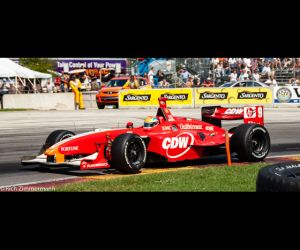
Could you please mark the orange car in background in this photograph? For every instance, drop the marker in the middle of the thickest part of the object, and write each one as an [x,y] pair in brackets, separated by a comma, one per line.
[109,94]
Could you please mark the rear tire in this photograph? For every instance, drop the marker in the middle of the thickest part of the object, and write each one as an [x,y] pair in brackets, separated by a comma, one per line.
[251,142]
[128,153]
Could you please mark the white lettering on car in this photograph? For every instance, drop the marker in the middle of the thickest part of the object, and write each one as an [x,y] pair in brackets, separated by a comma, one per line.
[166,127]
[96,165]
[183,141]
[234,111]
[72,148]
[190,126]
[209,128]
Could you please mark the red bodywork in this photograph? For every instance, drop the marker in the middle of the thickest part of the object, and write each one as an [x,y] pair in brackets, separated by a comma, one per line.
[173,139]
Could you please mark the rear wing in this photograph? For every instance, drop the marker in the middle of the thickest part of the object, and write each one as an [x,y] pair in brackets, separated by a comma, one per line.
[216,114]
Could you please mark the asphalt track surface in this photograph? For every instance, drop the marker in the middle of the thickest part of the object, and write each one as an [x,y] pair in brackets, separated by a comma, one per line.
[23,132]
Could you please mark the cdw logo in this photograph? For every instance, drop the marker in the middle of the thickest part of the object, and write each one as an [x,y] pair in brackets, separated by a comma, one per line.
[179,145]
[234,111]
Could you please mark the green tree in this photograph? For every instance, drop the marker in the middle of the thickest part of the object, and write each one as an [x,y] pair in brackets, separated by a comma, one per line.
[38,64]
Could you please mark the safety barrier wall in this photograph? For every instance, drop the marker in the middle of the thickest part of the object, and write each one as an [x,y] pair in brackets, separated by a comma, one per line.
[196,97]
[182,98]
[89,99]
[233,96]
[56,101]
[286,96]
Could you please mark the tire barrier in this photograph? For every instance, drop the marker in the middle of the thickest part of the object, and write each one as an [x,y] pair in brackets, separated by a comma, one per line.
[282,177]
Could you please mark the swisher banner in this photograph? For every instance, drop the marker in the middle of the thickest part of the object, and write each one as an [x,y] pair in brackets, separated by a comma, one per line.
[149,97]
[287,94]
[218,96]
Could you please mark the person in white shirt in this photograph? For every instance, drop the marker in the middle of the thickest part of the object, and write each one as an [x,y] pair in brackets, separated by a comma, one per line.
[185,75]
[151,76]
[49,87]
[271,82]
[255,76]
[243,76]
[231,61]
[233,76]
[266,70]
[247,61]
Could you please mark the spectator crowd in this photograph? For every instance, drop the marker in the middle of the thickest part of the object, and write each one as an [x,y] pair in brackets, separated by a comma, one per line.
[220,70]
[223,70]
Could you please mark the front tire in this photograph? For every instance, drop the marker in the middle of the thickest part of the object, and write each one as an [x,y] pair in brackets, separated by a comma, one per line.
[128,153]
[55,137]
[251,142]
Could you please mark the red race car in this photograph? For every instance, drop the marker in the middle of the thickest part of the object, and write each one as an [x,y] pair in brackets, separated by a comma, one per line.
[163,138]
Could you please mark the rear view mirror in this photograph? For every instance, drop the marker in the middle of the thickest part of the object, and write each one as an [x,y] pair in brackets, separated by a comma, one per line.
[129,125]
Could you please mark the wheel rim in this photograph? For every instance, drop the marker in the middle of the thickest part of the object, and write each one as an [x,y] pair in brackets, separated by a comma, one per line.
[135,152]
[258,143]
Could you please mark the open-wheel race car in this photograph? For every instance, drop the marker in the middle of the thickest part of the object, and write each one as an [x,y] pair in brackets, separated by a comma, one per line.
[162,138]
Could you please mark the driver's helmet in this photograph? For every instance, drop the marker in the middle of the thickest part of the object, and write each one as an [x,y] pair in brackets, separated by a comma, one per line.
[150,122]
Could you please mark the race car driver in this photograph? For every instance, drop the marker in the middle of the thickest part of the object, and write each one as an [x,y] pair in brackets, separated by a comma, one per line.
[150,122]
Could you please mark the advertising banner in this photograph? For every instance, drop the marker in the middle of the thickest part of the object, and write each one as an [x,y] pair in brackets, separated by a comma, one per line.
[149,97]
[226,96]
[92,65]
[287,94]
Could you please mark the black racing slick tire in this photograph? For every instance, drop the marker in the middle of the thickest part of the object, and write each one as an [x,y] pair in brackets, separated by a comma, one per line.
[128,153]
[283,177]
[55,137]
[251,142]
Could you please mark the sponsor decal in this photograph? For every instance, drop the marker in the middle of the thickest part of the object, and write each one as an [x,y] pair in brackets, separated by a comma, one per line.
[209,128]
[211,95]
[71,148]
[297,92]
[234,111]
[190,126]
[166,128]
[179,145]
[86,165]
[136,98]
[250,112]
[175,97]
[284,95]
[252,95]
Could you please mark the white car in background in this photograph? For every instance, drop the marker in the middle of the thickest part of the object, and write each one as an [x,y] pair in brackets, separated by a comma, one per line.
[246,83]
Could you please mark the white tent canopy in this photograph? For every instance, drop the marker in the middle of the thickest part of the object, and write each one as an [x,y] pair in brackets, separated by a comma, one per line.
[7,66]
[6,72]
